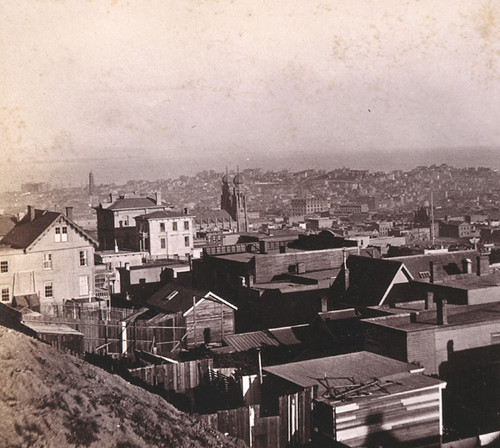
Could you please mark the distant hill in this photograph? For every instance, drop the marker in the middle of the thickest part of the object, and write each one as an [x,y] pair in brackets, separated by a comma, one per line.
[113,169]
[50,399]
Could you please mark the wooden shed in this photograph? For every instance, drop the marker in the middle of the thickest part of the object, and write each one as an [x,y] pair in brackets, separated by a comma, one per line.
[363,399]
[206,316]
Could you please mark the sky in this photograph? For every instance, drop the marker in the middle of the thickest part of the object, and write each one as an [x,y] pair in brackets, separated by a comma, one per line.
[150,87]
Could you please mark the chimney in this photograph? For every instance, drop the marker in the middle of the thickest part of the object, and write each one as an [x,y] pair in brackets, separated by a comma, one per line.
[429,300]
[324,304]
[442,312]
[483,264]
[31,212]
[116,247]
[186,211]
[111,198]
[158,198]
[433,269]
[346,278]
[69,212]
[467,266]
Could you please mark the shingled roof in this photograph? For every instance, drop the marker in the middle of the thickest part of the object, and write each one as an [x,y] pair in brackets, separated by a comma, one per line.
[27,231]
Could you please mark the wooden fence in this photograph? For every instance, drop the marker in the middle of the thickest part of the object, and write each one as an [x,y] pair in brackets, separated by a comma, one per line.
[291,427]
[174,377]
[106,332]
[246,424]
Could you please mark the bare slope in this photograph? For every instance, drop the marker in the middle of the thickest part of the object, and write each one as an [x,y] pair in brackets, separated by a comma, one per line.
[49,399]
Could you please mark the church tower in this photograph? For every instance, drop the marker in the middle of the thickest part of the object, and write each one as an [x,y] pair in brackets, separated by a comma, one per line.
[234,201]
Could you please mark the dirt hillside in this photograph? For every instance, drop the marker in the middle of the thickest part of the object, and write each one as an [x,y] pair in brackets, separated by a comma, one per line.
[50,399]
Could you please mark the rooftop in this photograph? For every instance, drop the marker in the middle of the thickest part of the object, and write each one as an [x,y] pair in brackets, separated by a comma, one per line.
[457,316]
[131,203]
[164,214]
[351,368]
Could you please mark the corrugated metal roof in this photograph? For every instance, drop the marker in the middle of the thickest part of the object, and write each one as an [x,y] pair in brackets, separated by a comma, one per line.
[247,341]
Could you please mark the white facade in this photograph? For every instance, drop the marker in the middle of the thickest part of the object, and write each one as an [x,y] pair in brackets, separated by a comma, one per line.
[165,235]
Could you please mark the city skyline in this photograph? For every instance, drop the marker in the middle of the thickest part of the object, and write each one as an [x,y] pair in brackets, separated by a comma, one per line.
[203,84]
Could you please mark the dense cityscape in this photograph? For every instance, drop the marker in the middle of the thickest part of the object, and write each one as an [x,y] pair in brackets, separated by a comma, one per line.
[250,224]
[250,300]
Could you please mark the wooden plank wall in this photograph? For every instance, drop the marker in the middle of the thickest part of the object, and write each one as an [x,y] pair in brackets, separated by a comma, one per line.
[292,427]
[174,377]
[295,418]
[246,424]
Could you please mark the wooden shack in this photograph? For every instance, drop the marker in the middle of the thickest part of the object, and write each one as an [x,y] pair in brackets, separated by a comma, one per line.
[205,317]
[364,399]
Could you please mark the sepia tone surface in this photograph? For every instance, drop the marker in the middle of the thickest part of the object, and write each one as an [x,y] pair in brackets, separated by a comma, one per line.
[148,89]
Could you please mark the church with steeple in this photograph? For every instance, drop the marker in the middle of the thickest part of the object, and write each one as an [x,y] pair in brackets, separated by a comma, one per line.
[233,200]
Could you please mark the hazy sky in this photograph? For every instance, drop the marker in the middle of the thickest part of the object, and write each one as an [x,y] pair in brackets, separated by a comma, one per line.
[225,80]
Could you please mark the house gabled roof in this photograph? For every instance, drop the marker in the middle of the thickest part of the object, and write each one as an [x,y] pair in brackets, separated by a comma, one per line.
[26,232]
[213,215]
[370,279]
[176,297]
[450,261]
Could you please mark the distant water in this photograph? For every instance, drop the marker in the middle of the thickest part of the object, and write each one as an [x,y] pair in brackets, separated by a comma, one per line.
[120,170]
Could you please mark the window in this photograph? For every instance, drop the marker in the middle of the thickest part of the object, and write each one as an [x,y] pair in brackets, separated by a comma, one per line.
[84,285]
[174,226]
[61,234]
[495,338]
[162,227]
[4,267]
[83,258]
[48,290]
[47,261]
[162,243]
[186,225]
[186,241]
[424,274]
[5,293]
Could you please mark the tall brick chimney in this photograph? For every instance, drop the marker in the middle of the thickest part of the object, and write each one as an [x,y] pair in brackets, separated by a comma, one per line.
[158,198]
[442,312]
